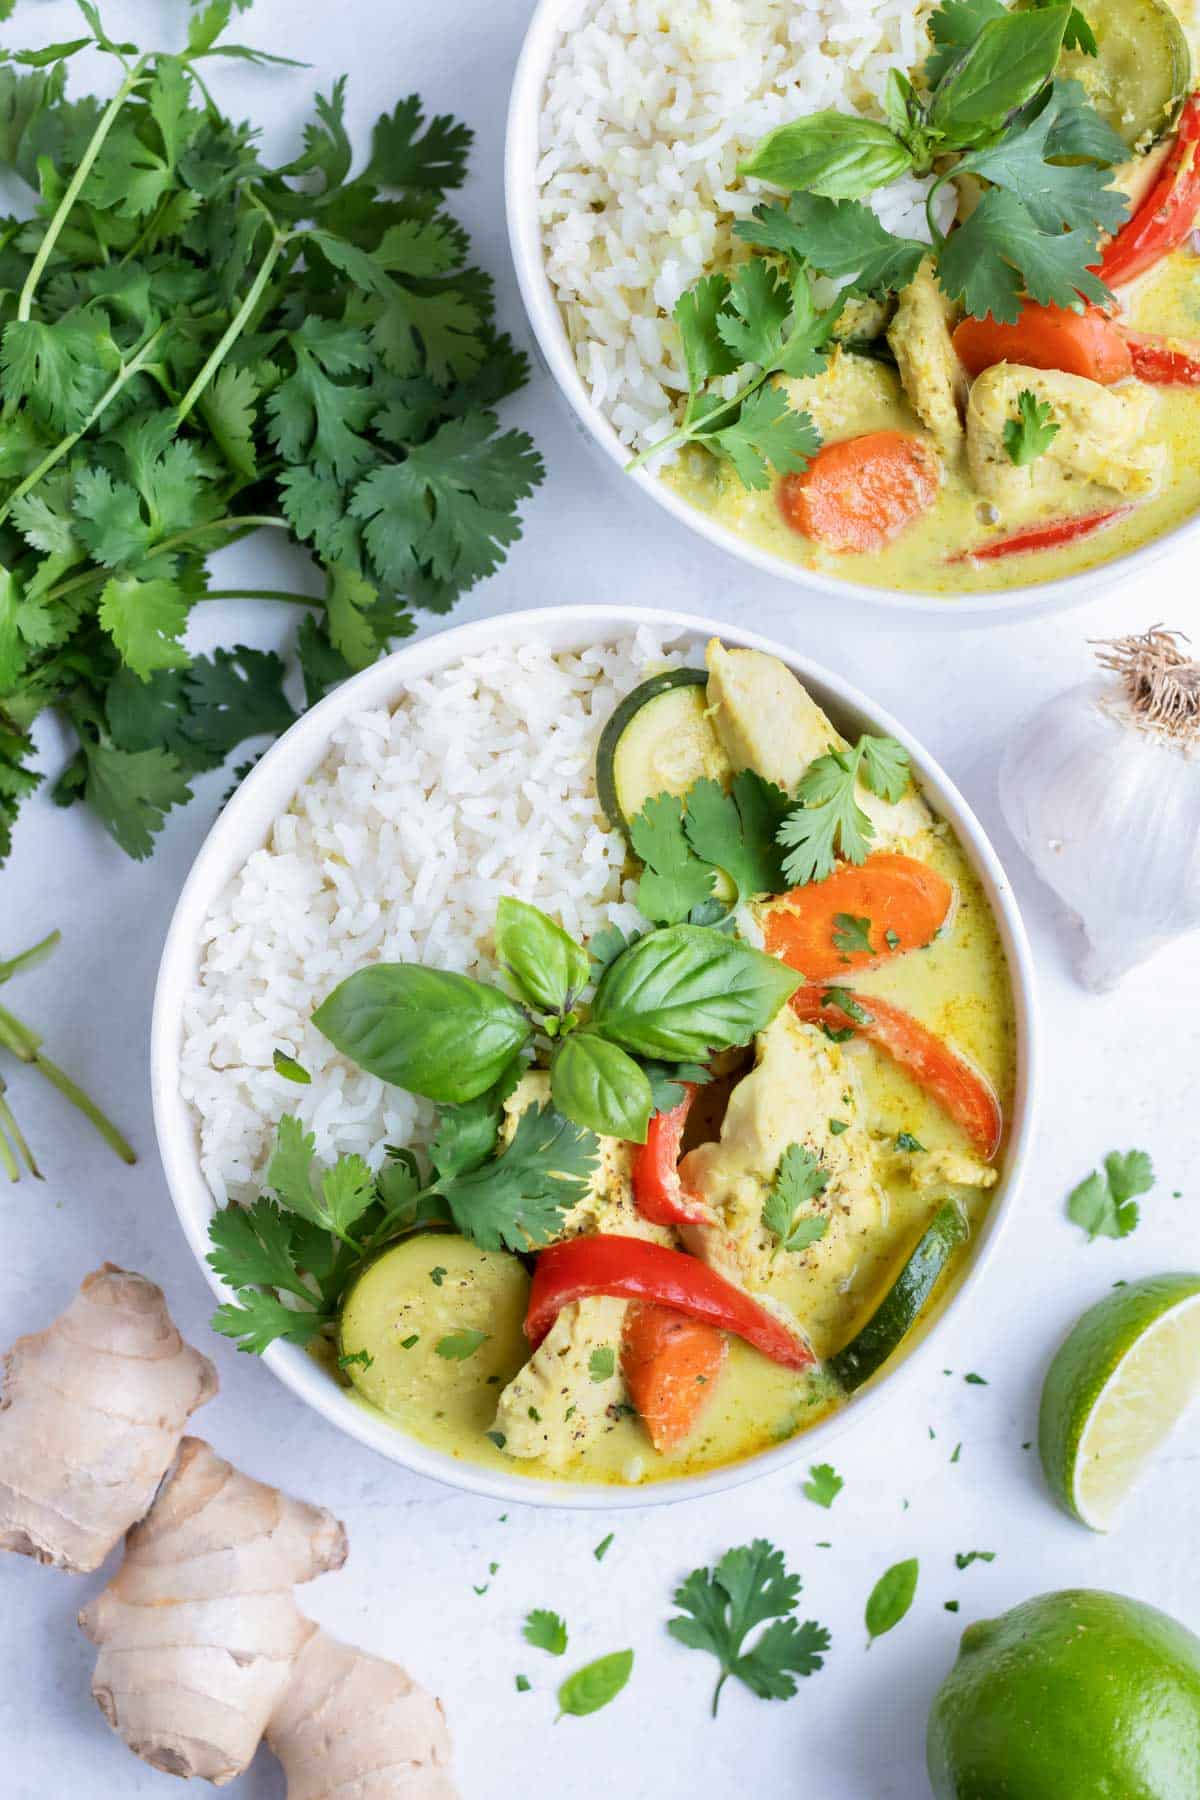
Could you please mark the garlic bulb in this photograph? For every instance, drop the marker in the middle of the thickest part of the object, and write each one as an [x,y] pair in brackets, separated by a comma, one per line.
[1101,788]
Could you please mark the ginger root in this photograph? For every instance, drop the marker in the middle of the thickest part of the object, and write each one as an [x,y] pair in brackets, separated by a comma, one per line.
[92,1412]
[202,1645]
[353,1727]
[198,1630]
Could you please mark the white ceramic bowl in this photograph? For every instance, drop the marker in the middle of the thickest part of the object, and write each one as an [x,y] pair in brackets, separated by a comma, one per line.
[243,827]
[525,237]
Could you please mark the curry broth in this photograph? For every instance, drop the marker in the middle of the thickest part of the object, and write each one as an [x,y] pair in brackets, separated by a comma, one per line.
[959,987]
[869,397]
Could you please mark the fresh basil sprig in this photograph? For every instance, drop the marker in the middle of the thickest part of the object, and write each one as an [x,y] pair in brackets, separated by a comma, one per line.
[548,966]
[599,1085]
[429,1030]
[830,153]
[686,991]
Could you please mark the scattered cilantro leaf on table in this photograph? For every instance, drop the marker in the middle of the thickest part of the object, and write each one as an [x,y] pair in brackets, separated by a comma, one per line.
[1104,1203]
[964,1558]
[823,1486]
[674,879]
[545,1631]
[798,1179]
[198,345]
[722,1606]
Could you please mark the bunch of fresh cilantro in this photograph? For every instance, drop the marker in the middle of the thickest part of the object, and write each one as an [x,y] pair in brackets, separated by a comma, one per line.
[988,107]
[195,345]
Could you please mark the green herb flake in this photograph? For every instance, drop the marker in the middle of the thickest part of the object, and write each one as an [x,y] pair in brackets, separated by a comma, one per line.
[545,1631]
[964,1558]
[906,1141]
[823,1486]
[522,1684]
[799,1180]
[412,1339]
[603,1547]
[356,1359]
[950,1606]
[957,1453]
[595,1685]
[837,1126]
[891,1597]
[602,1363]
[437,1276]
[973,1380]
[1032,432]
[290,1069]
[852,935]
[456,1346]
[498,1438]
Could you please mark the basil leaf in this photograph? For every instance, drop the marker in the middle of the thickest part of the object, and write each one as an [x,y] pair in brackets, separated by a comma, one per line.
[593,1686]
[597,1085]
[685,991]
[829,153]
[1003,68]
[548,966]
[891,1597]
[428,1030]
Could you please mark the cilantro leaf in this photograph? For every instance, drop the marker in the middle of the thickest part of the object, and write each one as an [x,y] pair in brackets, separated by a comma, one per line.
[752,322]
[720,1607]
[407,153]
[798,1179]
[1104,1203]
[823,1485]
[852,935]
[735,831]
[828,820]
[255,1246]
[1000,254]
[257,1320]
[706,352]
[545,1631]
[517,1200]
[456,1346]
[674,878]
[132,791]
[602,1363]
[145,620]
[343,1194]
[964,1558]
[466,1134]
[1057,194]
[768,433]
[840,238]
[1032,432]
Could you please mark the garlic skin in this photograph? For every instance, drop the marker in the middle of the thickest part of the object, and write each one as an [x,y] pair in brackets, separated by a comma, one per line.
[1101,788]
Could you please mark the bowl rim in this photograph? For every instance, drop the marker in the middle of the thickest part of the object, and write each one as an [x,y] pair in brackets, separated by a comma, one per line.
[243,826]
[521,152]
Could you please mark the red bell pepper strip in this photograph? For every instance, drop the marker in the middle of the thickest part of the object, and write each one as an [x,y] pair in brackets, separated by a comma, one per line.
[658,1193]
[1163,220]
[1044,537]
[633,1269]
[1164,361]
[953,1082]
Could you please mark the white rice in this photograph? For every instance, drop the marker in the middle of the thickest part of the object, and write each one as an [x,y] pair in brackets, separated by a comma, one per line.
[478,784]
[650,105]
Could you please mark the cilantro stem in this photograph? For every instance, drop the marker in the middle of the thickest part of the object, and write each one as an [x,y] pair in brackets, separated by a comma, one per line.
[262,594]
[237,523]
[10,1129]
[83,170]
[687,432]
[65,445]
[237,324]
[26,1046]
[28,959]
[7,1160]
[724,1677]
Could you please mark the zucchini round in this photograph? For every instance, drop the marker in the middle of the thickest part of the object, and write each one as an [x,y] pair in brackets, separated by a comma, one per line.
[659,740]
[901,1306]
[1142,73]
[429,1290]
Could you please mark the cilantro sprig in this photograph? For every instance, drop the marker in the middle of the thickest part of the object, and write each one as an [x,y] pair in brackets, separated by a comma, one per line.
[720,1607]
[827,820]
[799,1180]
[1105,1203]
[684,842]
[198,345]
[1032,432]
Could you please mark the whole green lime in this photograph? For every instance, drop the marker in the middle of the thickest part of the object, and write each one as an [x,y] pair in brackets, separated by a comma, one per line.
[1079,1695]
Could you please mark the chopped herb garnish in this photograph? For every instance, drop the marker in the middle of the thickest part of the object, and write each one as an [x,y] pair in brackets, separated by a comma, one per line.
[437,1276]
[1104,1203]
[456,1346]
[523,1684]
[799,1179]
[290,1069]
[356,1359]
[498,1438]
[964,1558]
[950,1605]
[1032,432]
[844,1000]
[602,1548]
[823,1486]
[957,1453]
[974,1380]
[723,1605]
[837,1126]
[408,1342]
[602,1363]
[892,939]
[840,1034]
[906,1141]
[545,1631]
[852,935]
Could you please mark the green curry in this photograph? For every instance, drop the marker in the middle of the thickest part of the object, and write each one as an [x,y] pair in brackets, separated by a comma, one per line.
[1019,401]
[871,1094]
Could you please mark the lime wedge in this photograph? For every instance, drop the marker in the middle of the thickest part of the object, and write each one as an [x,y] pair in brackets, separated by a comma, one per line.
[901,1306]
[1124,1375]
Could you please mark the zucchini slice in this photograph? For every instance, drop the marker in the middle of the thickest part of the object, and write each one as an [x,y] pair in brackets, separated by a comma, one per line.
[901,1306]
[429,1290]
[659,740]
[1143,72]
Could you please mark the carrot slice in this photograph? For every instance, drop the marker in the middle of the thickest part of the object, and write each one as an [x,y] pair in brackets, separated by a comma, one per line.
[893,901]
[1048,337]
[671,1364]
[953,1082]
[861,493]
[1164,361]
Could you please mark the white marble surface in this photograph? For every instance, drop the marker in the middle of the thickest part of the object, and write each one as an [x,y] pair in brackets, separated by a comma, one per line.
[1120,1071]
